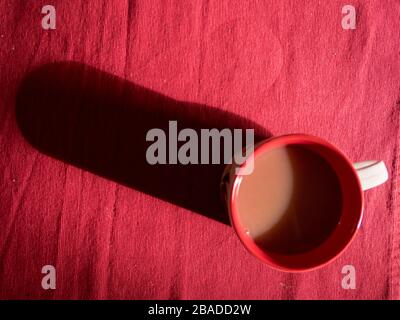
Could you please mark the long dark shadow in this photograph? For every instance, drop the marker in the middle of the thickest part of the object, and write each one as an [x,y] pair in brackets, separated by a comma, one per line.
[98,122]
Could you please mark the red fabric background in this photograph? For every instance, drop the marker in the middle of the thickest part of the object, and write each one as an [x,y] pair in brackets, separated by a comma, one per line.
[287,65]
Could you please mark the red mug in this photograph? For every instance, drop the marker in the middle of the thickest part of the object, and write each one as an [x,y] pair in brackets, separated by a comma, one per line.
[353,178]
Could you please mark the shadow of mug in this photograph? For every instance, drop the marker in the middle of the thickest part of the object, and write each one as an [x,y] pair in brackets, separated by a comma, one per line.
[98,122]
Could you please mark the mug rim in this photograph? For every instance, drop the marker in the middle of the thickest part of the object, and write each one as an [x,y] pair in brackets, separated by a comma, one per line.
[233,211]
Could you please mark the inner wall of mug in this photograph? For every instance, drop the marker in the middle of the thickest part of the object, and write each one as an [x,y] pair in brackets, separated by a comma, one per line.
[352,203]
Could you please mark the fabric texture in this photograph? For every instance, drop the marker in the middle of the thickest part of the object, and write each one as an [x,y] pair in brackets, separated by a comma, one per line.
[75,103]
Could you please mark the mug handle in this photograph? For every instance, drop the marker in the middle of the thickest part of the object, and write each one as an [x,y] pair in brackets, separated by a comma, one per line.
[371,173]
